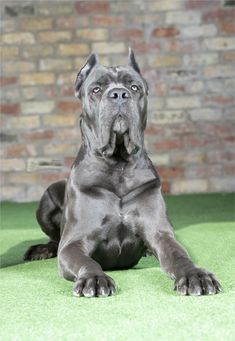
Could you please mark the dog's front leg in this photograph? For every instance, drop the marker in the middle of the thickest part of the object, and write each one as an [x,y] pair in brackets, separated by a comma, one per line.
[174,260]
[90,280]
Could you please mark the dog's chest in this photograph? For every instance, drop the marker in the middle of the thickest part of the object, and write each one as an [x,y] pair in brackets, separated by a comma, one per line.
[120,180]
[118,247]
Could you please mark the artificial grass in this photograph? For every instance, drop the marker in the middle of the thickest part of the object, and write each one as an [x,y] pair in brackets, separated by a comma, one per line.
[36,304]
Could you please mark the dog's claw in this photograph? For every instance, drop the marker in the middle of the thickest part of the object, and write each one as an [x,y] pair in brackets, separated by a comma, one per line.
[94,286]
[197,282]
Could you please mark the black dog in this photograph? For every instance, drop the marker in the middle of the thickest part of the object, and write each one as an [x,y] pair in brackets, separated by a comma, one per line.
[111,210]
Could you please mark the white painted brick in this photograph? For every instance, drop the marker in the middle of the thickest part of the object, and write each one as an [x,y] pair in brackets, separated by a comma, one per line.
[199,31]
[55,64]
[104,47]
[200,59]
[31,92]
[12,165]
[222,185]
[12,193]
[219,71]
[220,44]
[40,163]
[155,103]
[189,186]
[215,86]
[194,87]
[160,159]
[230,85]
[18,38]
[205,114]
[191,157]
[168,117]
[183,102]
[183,17]
[164,5]
[10,95]
[34,193]
[37,107]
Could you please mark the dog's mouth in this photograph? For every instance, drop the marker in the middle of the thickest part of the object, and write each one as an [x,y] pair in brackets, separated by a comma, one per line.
[120,143]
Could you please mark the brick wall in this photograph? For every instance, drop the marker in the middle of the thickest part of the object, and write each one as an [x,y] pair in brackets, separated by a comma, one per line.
[187,52]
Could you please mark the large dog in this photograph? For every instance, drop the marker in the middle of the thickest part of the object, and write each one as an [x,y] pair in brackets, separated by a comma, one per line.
[111,210]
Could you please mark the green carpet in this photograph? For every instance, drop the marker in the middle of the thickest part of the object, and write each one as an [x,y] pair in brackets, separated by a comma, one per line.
[38,305]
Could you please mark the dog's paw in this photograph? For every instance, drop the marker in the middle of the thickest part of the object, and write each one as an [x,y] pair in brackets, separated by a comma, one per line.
[40,251]
[197,282]
[93,286]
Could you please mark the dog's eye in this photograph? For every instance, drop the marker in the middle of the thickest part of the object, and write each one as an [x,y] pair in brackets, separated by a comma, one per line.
[96,90]
[134,87]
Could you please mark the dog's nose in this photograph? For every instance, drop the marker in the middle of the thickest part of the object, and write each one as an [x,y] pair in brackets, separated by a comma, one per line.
[119,95]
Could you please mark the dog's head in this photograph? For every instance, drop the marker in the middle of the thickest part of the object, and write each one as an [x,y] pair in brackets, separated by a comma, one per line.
[114,101]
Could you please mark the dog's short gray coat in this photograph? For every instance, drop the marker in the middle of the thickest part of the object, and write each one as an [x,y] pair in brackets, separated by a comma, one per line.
[111,210]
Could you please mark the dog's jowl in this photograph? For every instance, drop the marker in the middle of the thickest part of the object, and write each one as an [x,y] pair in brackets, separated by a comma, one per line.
[111,210]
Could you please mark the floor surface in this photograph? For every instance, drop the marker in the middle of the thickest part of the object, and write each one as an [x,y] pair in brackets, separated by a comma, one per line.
[36,304]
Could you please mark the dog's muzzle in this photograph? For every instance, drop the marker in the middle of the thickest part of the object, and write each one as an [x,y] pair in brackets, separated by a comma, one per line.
[117,130]
[119,136]
[120,126]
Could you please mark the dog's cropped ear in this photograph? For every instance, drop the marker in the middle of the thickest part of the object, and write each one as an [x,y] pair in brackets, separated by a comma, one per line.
[84,72]
[132,62]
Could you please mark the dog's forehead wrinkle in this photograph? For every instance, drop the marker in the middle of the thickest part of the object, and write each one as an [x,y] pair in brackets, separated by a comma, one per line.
[114,74]
[97,72]
[117,75]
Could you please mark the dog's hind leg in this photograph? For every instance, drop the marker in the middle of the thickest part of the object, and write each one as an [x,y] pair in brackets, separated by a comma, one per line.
[49,214]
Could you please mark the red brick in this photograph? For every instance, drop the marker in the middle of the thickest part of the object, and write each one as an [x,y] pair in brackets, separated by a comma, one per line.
[204,171]
[27,178]
[132,33]
[177,88]
[220,156]
[230,170]
[223,129]
[182,46]
[66,90]
[170,172]
[230,141]
[53,177]
[165,32]
[20,150]
[166,187]
[227,27]
[4,81]
[170,144]
[229,56]
[89,7]
[219,14]
[71,134]
[68,106]
[51,91]
[60,120]
[199,141]
[11,109]
[72,22]
[161,89]
[69,160]
[144,47]
[107,20]
[39,135]
[3,179]
[221,100]
[182,129]
[197,4]
[153,130]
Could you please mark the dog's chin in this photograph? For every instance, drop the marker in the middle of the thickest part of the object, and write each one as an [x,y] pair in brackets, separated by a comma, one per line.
[119,145]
